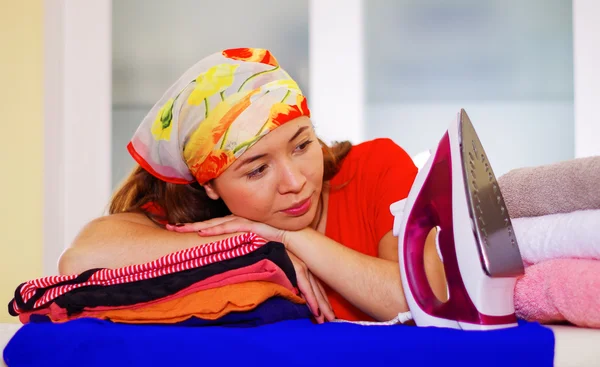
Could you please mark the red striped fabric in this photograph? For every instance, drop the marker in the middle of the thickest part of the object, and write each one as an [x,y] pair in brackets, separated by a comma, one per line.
[175,262]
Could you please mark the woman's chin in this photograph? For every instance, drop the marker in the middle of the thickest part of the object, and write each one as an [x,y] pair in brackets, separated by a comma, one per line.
[293,224]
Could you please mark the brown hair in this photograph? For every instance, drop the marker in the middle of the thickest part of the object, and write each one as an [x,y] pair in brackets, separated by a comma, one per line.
[189,203]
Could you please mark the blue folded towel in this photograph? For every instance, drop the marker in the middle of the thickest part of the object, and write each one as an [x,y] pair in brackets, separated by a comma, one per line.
[92,342]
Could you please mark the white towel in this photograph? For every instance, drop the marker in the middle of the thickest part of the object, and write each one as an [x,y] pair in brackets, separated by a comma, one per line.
[567,235]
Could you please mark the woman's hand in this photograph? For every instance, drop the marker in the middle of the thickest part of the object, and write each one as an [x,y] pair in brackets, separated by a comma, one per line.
[312,291]
[230,224]
[310,288]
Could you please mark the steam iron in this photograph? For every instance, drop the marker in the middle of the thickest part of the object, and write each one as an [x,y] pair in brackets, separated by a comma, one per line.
[456,193]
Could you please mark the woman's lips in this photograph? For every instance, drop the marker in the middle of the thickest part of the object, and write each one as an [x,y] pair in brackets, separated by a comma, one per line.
[299,209]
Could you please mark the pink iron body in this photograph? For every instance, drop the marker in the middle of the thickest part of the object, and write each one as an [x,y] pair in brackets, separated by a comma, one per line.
[457,193]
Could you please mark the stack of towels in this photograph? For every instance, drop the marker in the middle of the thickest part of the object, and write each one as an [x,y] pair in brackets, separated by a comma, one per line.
[555,211]
[242,281]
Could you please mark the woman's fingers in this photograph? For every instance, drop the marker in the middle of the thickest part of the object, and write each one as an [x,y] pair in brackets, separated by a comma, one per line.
[310,288]
[323,291]
[309,296]
[244,225]
[332,315]
[305,286]
[321,296]
[232,226]
[197,226]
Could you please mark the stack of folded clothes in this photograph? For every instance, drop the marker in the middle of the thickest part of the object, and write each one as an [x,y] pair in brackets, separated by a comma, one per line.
[241,281]
[555,211]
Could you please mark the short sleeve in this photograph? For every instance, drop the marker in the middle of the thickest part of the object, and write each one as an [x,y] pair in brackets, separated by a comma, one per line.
[393,175]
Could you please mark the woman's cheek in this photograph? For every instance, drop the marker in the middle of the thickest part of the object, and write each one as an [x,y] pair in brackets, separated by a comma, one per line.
[258,199]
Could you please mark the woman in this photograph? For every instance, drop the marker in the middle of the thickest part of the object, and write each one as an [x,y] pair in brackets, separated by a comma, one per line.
[230,148]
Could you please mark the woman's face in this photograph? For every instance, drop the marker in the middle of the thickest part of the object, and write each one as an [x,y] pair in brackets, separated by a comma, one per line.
[278,180]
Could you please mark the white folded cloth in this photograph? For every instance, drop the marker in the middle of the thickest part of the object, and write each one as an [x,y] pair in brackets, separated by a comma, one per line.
[564,235]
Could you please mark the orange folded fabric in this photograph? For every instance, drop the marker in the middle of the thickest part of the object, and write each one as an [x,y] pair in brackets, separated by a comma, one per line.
[209,304]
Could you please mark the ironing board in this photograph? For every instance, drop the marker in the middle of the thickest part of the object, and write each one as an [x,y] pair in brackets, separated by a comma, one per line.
[574,346]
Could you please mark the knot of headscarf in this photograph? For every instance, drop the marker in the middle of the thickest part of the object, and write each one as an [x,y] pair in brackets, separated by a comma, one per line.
[216,110]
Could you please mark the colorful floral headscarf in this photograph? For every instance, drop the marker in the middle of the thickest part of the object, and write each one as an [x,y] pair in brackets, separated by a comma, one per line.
[213,113]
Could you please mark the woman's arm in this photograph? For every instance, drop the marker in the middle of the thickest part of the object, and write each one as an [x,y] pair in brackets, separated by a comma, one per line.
[372,284]
[124,239]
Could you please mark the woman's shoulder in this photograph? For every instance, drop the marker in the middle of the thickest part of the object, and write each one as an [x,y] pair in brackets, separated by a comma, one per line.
[378,153]
[377,143]
[372,158]
[378,150]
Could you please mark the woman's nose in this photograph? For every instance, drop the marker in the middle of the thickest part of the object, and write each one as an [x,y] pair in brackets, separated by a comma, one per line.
[292,180]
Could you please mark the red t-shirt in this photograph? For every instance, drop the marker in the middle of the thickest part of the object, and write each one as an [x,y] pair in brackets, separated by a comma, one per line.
[375,174]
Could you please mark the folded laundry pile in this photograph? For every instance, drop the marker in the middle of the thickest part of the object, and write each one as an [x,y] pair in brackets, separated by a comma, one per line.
[240,281]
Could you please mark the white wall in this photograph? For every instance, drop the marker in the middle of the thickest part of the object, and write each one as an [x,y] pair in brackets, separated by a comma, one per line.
[586,32]
[509,63]
[468,50]
[337,69]
[77,127]
[514,134]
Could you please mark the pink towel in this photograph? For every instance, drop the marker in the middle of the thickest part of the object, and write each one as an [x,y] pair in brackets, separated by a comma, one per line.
[561,187]
[560,290]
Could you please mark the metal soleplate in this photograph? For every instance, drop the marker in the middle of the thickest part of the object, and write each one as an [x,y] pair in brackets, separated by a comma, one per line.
[498,247]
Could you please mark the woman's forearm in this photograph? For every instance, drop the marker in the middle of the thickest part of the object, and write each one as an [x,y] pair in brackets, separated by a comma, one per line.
[122,240]
[371,284]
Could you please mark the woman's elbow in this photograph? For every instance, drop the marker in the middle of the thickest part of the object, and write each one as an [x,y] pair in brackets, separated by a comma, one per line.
[70,262]
[74,259]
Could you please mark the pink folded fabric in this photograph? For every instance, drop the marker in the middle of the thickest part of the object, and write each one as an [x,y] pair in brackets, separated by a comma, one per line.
[263,270]
[560,290]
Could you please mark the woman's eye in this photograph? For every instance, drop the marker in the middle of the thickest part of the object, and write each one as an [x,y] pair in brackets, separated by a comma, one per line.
[257,172]
[303,146]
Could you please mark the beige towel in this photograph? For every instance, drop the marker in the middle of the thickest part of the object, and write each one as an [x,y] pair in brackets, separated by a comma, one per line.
[562,187]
